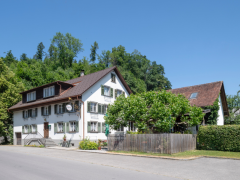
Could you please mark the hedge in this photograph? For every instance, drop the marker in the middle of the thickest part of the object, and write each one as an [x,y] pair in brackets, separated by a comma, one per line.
[221,138]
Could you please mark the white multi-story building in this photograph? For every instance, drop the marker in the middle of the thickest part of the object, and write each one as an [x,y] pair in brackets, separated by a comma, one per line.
[75,108]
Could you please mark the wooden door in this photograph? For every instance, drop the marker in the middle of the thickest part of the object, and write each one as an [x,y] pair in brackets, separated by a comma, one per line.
[46,130]
[19,138]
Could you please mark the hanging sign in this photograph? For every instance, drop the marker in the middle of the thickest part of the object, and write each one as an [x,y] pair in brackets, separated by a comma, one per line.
[69,107]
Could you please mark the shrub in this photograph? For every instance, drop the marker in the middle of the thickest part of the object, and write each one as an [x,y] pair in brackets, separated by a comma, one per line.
[86,144]
[221,138]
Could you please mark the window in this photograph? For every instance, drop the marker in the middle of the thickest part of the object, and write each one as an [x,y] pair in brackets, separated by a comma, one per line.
[31,96]
[113,78]
[26,129]
[45,112]
[25,114]
[60,109]
[60,127]
[34,113]
[93,107]
[104,108]
[131,126]
[72,127]
[106,91]
[94,127]
[49,91]
[121,128]
[193,95]
[34,129]
[118,93]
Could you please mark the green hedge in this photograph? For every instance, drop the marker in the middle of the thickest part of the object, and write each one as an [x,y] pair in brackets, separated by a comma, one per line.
[221,138]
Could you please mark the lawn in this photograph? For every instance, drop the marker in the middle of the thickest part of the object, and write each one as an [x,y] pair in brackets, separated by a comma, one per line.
[187,154]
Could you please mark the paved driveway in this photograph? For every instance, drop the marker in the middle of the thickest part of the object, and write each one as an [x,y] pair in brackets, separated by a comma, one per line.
[40,163]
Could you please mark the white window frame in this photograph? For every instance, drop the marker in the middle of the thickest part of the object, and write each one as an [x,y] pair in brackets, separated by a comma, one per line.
[193,95]
[33,113]
[31,96]
[113,79]
[72,126]
[45,111]
[34,129]
[109,92]
[25,114]
[49,91]
[94,109]
[105,107]
[25,129]
[60,128]
[121,92]
[60,108]
[94,126]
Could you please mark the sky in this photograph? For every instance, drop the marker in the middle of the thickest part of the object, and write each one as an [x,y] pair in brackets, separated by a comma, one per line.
[197,42]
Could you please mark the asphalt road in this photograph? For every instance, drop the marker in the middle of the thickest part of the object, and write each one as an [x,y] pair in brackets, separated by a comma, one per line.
[40,163]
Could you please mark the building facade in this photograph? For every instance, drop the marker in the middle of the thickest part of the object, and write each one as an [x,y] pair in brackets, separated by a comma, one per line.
[75,108]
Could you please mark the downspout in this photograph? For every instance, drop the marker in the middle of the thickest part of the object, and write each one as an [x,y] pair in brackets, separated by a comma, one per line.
[83,116]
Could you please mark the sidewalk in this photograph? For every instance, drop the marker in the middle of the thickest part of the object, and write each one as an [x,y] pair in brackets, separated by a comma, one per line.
[76,149]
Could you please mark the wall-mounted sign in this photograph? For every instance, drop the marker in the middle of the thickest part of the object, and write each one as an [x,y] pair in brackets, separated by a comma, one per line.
[69,107]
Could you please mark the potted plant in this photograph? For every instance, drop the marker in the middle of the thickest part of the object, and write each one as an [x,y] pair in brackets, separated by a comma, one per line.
[99,144]
[64,137]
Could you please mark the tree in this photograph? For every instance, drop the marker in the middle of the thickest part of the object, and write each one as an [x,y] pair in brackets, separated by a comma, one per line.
[23,57]
[9,96]
[93,49]
[234,109]
[9,58]
[40,53]
[64,48]
[152,110]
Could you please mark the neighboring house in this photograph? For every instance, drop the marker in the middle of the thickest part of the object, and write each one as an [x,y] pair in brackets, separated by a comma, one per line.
[205,95]
[43,111]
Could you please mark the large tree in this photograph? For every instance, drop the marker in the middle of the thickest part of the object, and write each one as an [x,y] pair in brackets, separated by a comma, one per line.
[93,50]
[155,111]
[234,109]
[9,96]
[40,53]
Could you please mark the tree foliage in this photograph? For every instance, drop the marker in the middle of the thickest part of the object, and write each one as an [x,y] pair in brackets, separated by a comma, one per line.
[212,117]
[152,110]
[234,109]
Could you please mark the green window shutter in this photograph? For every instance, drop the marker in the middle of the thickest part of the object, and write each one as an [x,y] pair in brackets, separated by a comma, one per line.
[55,127]
[28,129]
[36,128]
[23,129]
[103,125]
[23,114]
[102,107]
[36,112]
[111,92]
[77,122]
[76,106]
[49,110]
[99,108]
[99,127]
[42,110]
[102,90]
[89,126]
[64,128]
[88,106]
[67,126]
[115,93]
[55,109]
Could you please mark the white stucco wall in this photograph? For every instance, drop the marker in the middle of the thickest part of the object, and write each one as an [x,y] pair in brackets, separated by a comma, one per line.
[220,120]
[92,94]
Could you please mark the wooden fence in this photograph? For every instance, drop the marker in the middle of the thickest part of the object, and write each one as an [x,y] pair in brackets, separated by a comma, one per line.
[155,143]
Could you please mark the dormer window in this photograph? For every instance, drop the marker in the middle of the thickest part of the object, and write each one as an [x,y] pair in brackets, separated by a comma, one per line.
[31,96]
[113,78]
[194,95]
[49,91]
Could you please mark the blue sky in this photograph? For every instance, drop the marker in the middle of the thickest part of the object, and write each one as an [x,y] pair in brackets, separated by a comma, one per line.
[196,41]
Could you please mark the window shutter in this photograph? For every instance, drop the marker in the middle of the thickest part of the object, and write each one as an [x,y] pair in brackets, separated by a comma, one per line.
[49,110]
[76,106]
[123,93]
[29,129]
[102,90]
[77,126]
[55,127]
[23,128]
[99,127]
[67,126]
[103,107]
[29,115]
[64,107]
[36,112]
[112,77]
[36,128]
[115,93]
[88,106]
[111,92]
[23,114]
[55,109]
[42,110]
[99,108]
[89,127]
[64,128]
[103,125]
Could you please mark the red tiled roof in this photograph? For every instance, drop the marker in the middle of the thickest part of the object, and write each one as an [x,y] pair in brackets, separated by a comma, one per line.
[85,82]
[207,93]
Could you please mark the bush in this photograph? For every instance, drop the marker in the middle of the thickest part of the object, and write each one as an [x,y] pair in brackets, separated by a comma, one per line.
[41,146]
[221,138]
[86,144]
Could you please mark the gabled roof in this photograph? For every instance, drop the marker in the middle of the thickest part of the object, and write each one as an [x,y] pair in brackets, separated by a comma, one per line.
[84,83]
[206,94]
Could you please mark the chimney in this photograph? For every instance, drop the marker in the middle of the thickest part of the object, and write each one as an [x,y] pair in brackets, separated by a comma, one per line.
[82,73]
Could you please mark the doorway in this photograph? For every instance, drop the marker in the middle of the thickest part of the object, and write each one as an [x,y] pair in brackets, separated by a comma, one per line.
[46,130]
[19,138]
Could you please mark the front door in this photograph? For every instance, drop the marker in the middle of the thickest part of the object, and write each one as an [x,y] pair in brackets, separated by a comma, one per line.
[46,130]
[19,138]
